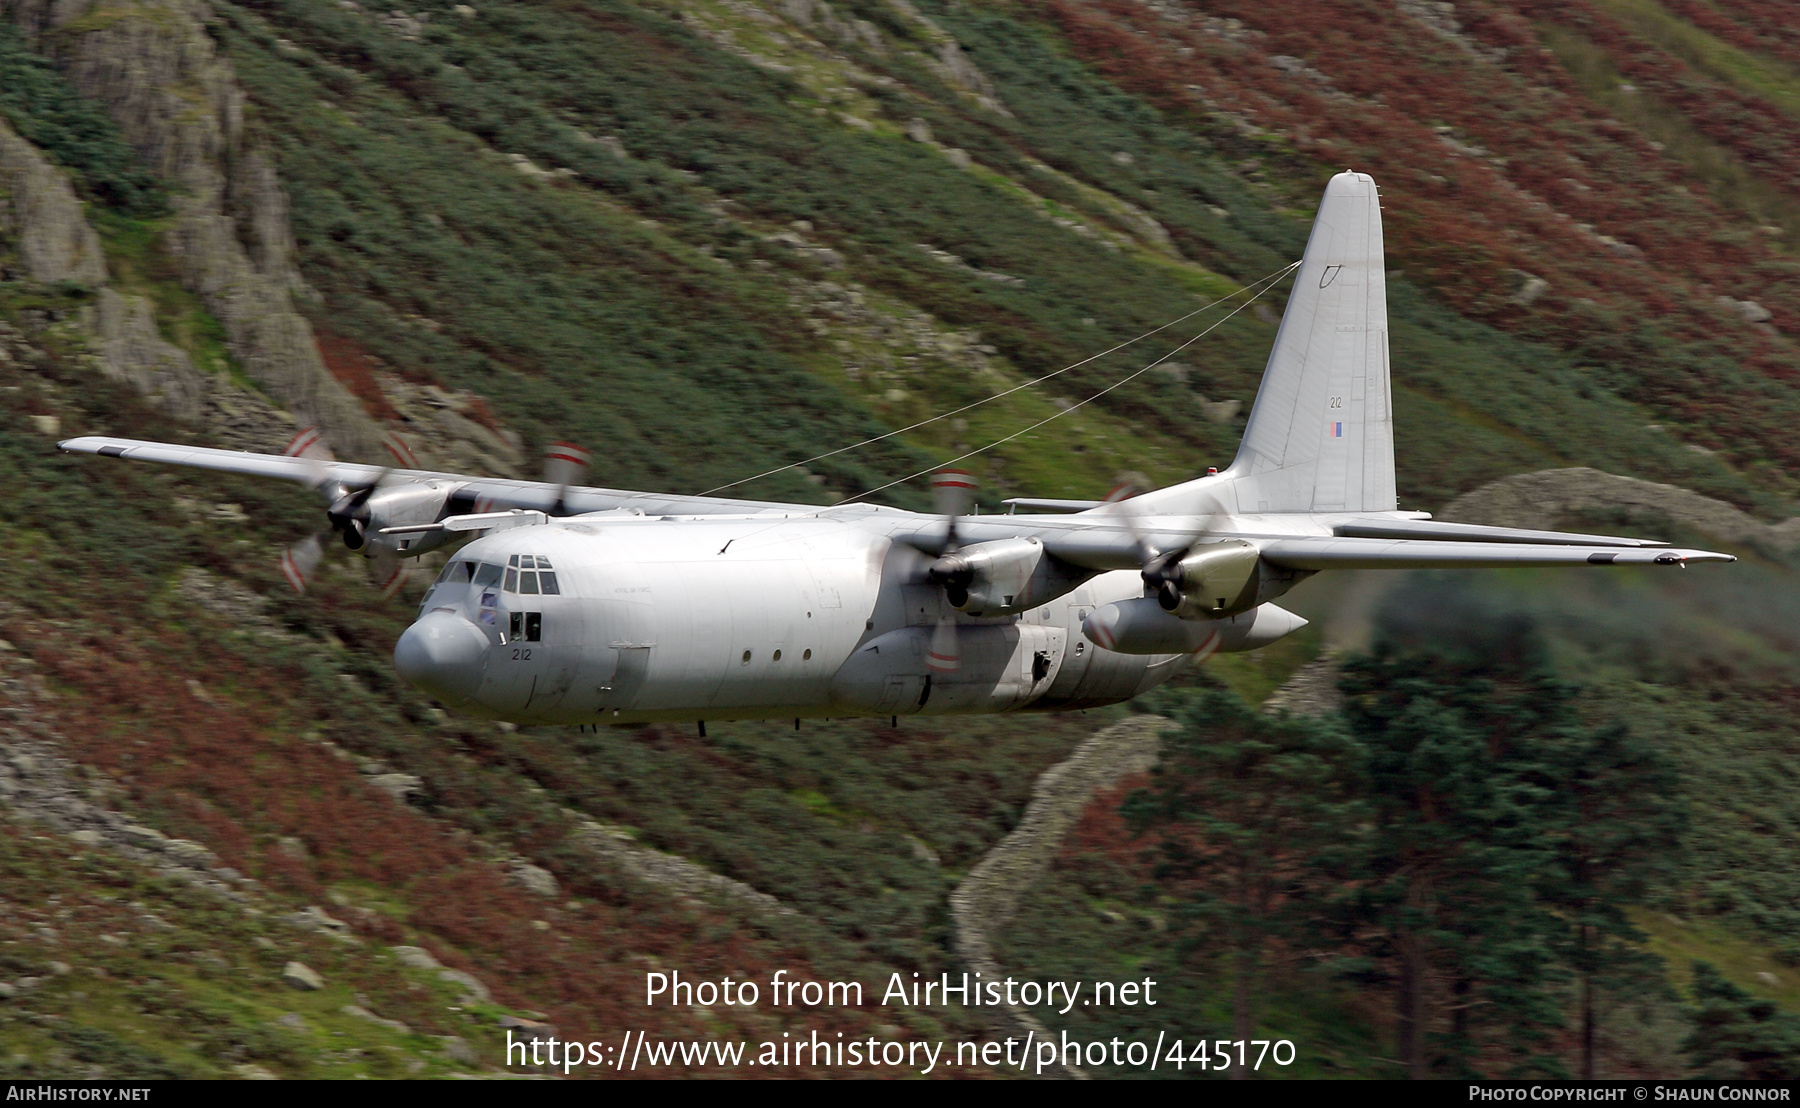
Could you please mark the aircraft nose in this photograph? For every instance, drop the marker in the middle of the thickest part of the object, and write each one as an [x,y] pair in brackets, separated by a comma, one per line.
[442,655]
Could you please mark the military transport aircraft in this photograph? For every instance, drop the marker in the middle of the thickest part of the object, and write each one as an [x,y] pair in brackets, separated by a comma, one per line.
[598,606]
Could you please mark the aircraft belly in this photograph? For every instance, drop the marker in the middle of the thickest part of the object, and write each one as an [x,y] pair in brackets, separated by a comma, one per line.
[1001,667]
[1091,676]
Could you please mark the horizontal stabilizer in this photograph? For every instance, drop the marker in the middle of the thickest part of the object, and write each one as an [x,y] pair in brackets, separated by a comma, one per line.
[1471,532]
[1322,553]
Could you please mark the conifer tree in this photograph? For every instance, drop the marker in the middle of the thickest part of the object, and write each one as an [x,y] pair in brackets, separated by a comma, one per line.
[1249,805]
[1455,707]
[1618,823]
[1739,1036]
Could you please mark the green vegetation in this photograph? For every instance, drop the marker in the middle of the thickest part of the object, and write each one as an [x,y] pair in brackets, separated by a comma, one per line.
[76,132]
[1727,176]
[1739,1037]
[1537,863]
[435,252]
[1773,80]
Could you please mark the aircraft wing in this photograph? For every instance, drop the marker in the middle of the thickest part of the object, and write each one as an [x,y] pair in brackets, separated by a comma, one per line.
[1365,553]
[500,493]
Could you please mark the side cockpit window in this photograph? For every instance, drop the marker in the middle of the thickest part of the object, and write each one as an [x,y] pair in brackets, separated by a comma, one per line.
[456,573]
[487,575]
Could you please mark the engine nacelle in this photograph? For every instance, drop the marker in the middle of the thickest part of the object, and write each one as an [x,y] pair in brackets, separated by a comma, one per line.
[1213,581]
[1003,577]
[413,502]
[1142,626]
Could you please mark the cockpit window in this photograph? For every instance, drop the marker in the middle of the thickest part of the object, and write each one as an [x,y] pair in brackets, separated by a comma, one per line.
[456,573]
[487,575]
[528,575]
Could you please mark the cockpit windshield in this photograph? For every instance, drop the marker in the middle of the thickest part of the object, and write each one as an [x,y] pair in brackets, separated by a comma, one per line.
[531,575]
[524,575]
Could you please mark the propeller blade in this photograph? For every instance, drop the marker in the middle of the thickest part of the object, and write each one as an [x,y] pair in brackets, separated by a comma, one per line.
[1116,501]
[309,443]
[387,572]
[565,464]
[952,491]
[300,561]
[944,657]
[402,451]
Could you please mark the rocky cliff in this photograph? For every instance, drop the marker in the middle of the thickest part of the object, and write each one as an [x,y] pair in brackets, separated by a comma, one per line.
[177,102]
[43,223]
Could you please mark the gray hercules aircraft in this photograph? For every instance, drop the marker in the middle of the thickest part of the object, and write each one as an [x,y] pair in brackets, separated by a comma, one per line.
[589,605]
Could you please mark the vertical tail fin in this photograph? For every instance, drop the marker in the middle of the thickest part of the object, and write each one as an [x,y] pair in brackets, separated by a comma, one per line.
[1321,434]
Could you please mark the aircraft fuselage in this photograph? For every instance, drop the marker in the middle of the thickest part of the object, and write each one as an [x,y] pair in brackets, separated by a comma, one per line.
[757,618]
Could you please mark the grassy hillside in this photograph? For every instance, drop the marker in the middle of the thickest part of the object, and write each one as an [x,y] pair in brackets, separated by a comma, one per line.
[630,275]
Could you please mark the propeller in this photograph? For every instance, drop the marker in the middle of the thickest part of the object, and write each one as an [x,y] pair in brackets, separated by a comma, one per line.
[1162,569]
[565,464]
[347,512]
[952,493]
[301,560]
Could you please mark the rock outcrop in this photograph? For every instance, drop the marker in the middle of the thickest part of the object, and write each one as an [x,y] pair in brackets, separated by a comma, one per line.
[1531,499]
[669,872]
[153,66]
[1311,691]
[990,894]
[133,350]
[42,219]
[43,223]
